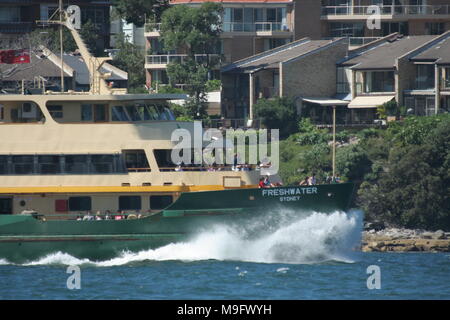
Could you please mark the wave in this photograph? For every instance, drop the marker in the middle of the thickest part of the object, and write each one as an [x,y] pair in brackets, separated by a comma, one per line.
[284,237]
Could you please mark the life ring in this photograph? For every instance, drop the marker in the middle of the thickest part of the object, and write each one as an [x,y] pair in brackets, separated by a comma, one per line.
[131,216]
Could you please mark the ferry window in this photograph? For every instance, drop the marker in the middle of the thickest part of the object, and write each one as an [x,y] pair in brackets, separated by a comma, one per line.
[3,164]
[152,113]
[23,164]
[136,159]
[102,163]
[100,113]
[76,164]
[133,113]
[56,111]
[49,164]
[130,203]
[163,158]
[80,204]
[119,114]
[1,112]
[86,112]
[160,202]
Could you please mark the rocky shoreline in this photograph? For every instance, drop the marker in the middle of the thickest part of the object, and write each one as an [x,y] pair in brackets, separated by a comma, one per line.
[405,240]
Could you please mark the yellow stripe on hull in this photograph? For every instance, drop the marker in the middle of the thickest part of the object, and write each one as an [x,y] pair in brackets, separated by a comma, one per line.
[112,189]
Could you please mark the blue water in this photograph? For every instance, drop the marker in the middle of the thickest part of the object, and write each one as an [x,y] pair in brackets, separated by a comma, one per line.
[310,258]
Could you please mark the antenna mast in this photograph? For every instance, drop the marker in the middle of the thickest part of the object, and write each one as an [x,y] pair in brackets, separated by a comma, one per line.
[61,43]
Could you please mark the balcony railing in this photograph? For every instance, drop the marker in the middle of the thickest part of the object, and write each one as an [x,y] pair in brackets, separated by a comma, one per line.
[255,27]
[387,10]
[361,41]
[164,59]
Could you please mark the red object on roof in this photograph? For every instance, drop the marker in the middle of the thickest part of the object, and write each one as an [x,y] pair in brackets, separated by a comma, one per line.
[229,1]
[15,56]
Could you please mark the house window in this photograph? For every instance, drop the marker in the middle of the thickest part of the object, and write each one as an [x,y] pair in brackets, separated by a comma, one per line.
[130,203]
[379,81]
[434,28]
[343,29]
[425,76]
[390,27]
[160,202]
[56,111]
[343,80]
[447,78]
[80,203]
[9,14]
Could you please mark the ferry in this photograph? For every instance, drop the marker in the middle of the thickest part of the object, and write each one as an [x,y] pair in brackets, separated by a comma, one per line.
[90,174]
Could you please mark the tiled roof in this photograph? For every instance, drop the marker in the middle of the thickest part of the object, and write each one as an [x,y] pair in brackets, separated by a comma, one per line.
[440,53]
[385,55]
[271,58]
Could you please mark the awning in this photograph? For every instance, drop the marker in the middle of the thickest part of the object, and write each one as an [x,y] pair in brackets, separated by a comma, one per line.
[369,101]
[326,101]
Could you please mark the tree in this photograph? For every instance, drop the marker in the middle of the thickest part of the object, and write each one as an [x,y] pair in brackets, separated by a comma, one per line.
[195,31]
[136,11]
[413,189]
[130,58]
[278,113]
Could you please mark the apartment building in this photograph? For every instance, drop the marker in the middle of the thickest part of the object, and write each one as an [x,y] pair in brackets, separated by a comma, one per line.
[18,17]
[348,18]
[303,70]
[412,70]
[249,27]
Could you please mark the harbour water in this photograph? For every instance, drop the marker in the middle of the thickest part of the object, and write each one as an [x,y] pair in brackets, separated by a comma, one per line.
[310,257]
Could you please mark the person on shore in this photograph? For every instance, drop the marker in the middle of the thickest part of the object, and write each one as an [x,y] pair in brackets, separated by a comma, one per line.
[312,180]
[304,182]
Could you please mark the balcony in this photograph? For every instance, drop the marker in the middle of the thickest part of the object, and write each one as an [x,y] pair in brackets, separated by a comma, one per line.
[152,29]
[387,12]
[160,61]
[258,28]
[15,27]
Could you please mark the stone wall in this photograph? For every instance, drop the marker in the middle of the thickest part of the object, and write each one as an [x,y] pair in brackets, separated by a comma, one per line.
[313,75]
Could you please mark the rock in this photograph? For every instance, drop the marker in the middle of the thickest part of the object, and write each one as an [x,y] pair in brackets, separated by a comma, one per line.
[427,235]
[439,235]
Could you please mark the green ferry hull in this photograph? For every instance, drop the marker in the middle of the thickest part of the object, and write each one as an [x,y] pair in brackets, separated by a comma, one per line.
[24,238]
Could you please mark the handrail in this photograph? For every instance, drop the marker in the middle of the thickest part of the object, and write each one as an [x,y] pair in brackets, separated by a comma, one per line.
[179,58]
[255,27]
[443,9]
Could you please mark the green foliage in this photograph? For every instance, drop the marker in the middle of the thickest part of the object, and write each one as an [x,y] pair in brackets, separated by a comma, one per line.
[389,108]
[130,58]
[414,130]
[213,85]
[278,113]
[352,162]
[409,183]
[196,29]
[50,38]
[135,11]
